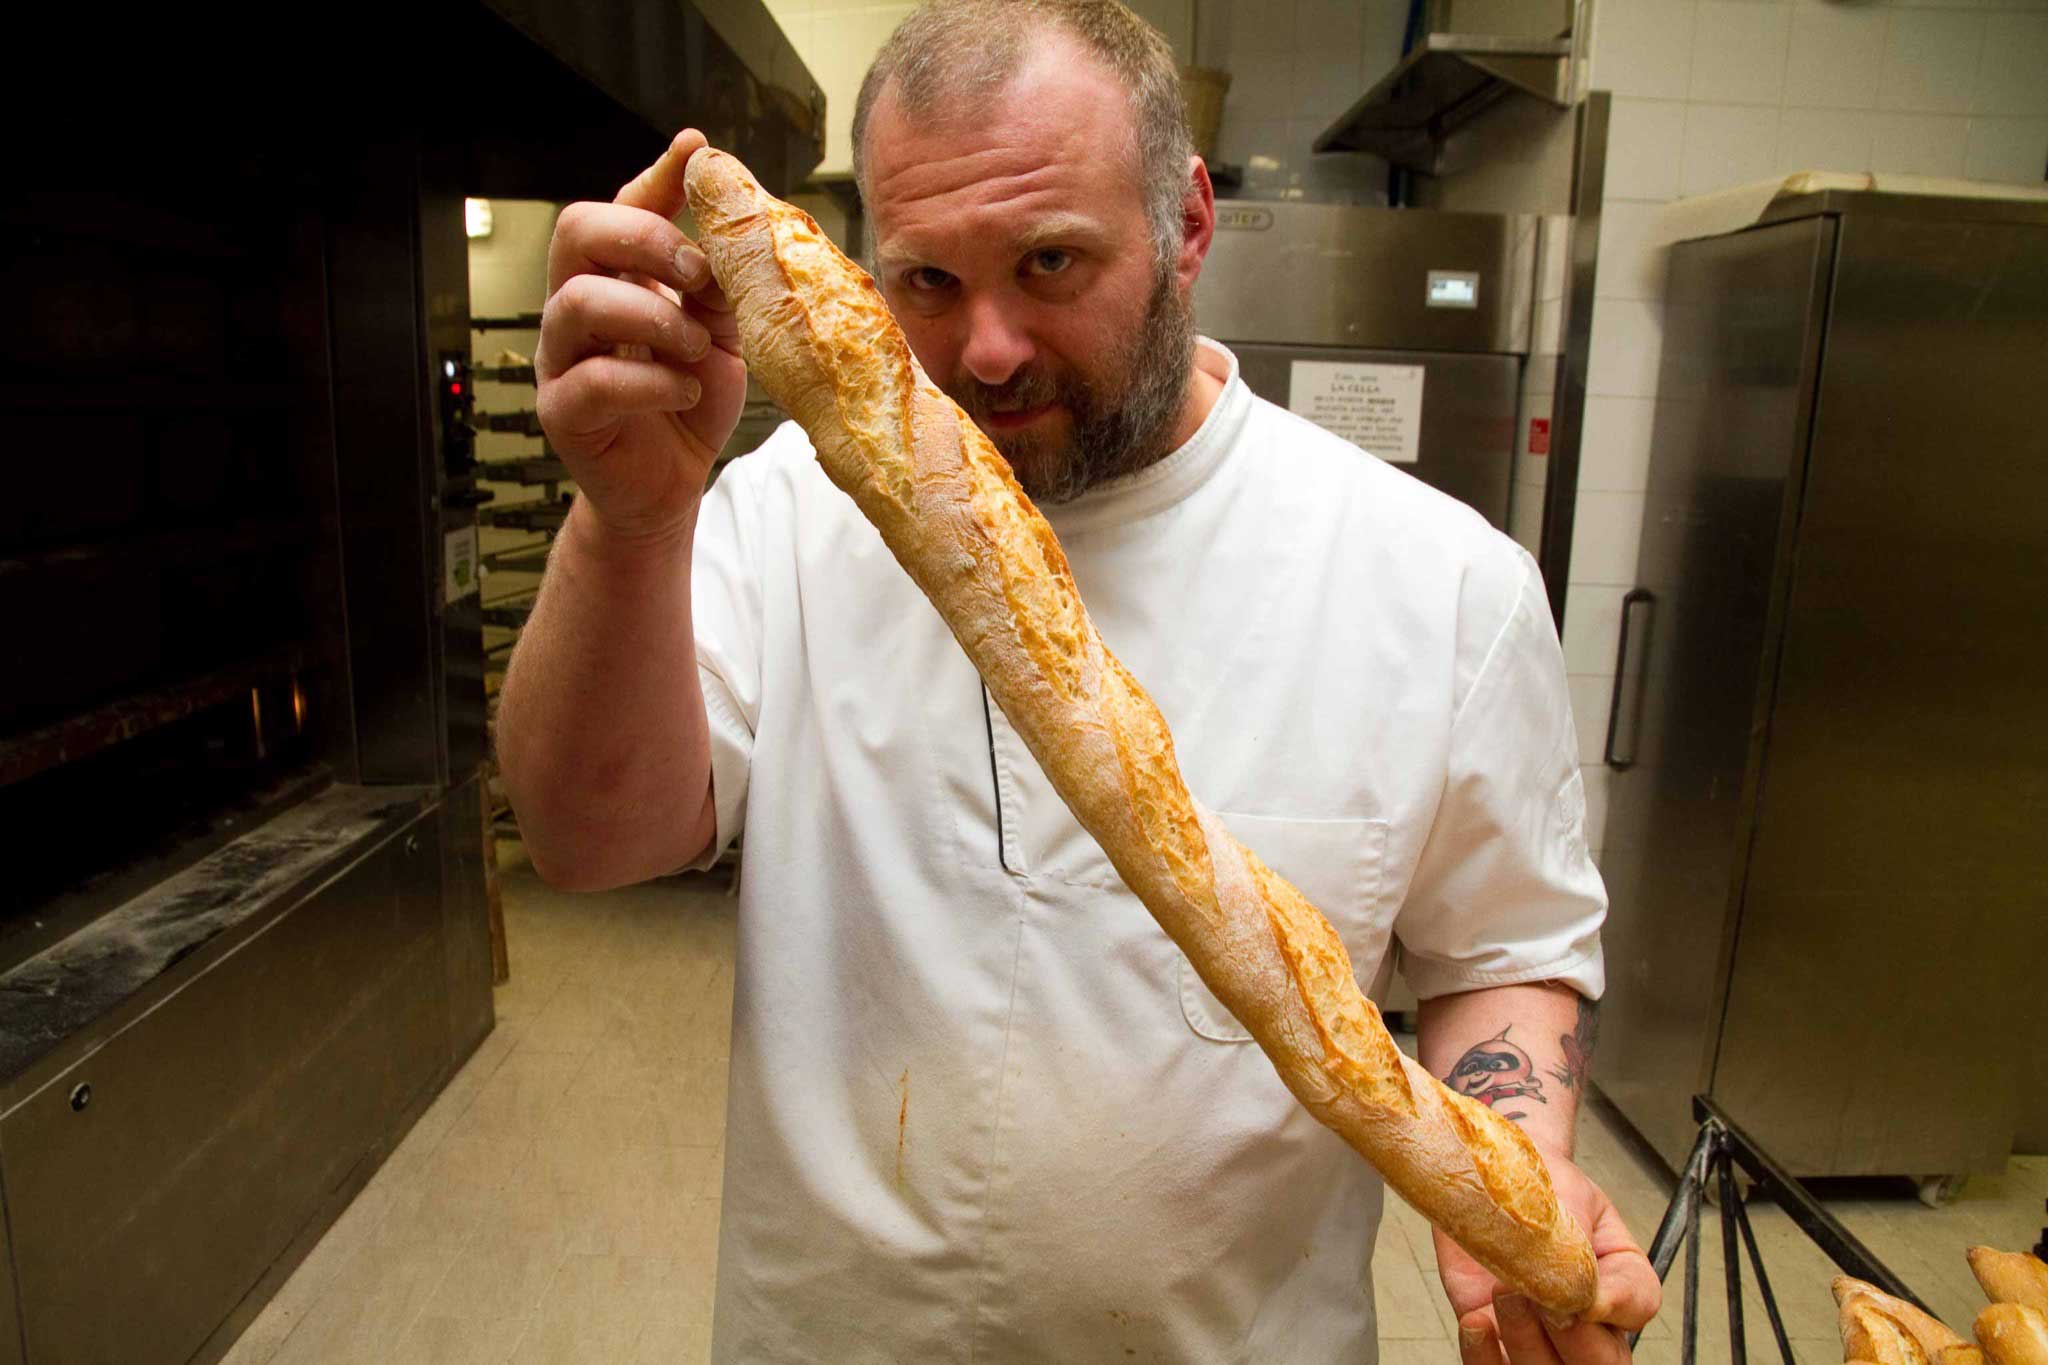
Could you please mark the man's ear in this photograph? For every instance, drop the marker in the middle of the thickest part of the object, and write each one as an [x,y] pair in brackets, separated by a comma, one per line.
[1197,223]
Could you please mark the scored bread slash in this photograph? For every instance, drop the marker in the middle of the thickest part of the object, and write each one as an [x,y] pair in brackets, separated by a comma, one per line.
[816,333]
[1934,1335]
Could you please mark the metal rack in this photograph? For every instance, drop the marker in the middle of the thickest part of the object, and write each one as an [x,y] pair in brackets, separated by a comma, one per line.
[1722,1149]
[526,516]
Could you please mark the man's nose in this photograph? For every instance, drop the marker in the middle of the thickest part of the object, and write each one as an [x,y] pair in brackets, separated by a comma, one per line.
[996,346]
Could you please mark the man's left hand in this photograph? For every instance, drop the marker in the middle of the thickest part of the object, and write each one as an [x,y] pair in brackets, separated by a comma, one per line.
[1496,1325]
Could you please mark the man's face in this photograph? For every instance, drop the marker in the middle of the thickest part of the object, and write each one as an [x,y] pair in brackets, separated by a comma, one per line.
[1013,247]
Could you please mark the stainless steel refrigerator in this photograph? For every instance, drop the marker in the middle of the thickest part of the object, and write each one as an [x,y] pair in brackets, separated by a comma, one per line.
[1827,840]
[1403,330]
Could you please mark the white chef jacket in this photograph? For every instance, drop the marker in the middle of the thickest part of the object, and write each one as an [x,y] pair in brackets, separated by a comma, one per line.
[981,1108]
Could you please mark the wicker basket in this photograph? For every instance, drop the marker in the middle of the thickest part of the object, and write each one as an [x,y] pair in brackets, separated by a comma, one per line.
[1204,88]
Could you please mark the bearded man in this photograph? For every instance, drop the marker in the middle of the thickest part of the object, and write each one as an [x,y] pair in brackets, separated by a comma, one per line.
[980,1107]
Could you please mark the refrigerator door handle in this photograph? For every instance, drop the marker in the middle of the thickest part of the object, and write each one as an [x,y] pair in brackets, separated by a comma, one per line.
[1636,597]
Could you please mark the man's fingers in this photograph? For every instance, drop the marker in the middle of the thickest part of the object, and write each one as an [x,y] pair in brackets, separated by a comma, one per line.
[617,239]
[600,390]
[659,188]
[1478,1338]
[1628,1294]
[1522,1332]
[1588,1343]
[592,314]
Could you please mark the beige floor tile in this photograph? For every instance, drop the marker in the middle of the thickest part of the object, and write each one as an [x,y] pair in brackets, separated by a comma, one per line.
[438,1339]
[495,1281]
[1405,1300]
[368,1306]
[437,1213]
[1397,1352]
[594,1309]
[670,1343]
[522,1094]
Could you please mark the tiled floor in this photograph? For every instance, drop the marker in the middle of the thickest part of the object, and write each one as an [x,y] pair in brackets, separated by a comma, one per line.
[559,1202]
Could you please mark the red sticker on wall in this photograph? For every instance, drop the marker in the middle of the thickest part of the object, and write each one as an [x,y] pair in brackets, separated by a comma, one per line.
[1539,435]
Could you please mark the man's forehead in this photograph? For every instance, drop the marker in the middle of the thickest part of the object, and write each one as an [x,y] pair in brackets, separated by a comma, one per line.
[1060,123]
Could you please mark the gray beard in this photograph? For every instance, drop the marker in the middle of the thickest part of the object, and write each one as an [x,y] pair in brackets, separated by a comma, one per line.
[1119,426]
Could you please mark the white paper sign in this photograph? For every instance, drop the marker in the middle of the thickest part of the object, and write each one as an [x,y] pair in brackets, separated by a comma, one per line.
[458,564]
[1376,407]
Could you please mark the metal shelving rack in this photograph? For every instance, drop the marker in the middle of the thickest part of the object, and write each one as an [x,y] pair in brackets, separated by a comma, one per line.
[505,612]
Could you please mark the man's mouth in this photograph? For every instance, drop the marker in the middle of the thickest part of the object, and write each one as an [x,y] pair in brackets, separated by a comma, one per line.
[1017,417]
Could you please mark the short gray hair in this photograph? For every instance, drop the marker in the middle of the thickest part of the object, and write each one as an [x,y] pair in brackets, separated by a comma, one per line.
[954,50]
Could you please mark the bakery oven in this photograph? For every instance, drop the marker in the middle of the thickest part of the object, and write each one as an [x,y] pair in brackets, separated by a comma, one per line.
[243,939]
[171,564]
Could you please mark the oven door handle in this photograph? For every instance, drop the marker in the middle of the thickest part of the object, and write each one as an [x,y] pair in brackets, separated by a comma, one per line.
[1636,597]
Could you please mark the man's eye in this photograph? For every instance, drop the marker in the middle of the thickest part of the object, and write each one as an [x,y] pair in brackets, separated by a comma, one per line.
[927,277]
[1050,261]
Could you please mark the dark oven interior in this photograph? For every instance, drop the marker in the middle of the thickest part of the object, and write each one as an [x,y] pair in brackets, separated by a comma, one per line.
[169,562]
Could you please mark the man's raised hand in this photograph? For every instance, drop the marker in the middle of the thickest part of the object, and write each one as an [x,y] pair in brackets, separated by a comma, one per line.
[640,377]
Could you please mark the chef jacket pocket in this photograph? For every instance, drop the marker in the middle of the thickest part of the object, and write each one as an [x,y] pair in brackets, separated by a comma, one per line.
[1336,864]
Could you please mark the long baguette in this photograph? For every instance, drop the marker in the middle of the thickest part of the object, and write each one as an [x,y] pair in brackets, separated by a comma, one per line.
[816,333]
[2013,1334]
[1934,1335]
[2011,1276]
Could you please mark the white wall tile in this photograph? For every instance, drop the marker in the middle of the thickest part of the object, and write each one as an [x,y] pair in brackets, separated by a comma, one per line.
[1643,47]
[843,40]
[1930,60]
[1525,516]
[1554,252]
[1823,140]
[1261,86]
[1738,52]
[1606,529]
[1592,699]
[1645,140]
[1245,142]
[1170,17]
[1628,337]
[1592,627]
[2013,78]
[1630,266]
[1919,144]
[1334,28]
[2011,149]
[1325,85]
[1546,335]
[1260,26]
[1385,26]
[1614,454]
[1727,144]
[1836,57]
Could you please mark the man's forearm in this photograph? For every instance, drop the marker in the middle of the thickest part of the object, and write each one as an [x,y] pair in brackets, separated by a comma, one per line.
[1521,1050]
[602,738]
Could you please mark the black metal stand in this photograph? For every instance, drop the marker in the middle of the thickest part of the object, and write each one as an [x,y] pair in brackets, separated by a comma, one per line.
[1721,1148]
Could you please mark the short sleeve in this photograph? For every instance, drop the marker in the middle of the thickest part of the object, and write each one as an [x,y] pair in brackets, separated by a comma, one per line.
[1505,891]
[725,613]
